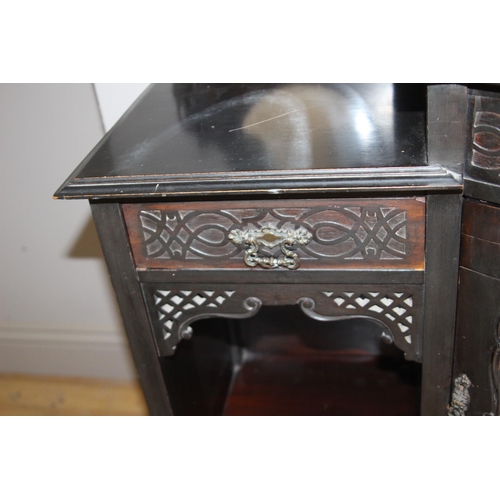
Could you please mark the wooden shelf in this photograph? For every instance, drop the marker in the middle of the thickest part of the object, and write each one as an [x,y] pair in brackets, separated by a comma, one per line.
[290,364]
[342,384]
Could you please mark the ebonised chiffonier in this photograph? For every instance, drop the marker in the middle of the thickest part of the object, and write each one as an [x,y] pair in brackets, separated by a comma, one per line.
[477,353]
[217,201]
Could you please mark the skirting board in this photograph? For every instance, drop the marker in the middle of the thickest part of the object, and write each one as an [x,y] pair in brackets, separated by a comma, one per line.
[65,350]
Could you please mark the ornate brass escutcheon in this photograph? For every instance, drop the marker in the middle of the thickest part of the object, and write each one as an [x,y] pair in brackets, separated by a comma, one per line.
[460,398]
[271,237]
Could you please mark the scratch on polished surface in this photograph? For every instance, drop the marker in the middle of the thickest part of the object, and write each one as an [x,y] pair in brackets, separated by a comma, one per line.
[185,130]
[268,120]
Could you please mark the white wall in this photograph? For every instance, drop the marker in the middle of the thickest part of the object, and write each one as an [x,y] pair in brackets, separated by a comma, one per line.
[115,98]
[57,311]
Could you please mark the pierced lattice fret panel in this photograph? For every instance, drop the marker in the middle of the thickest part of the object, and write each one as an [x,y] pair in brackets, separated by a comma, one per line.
[173,305]
[172,310]
[397,309]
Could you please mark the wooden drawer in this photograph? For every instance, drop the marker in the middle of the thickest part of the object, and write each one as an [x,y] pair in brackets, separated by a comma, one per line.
[342,233]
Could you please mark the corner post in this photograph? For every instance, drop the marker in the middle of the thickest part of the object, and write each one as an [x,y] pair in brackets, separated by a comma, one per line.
[117,254]
[446,129]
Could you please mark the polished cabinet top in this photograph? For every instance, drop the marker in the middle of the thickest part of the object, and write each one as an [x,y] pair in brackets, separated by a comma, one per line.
[266,138]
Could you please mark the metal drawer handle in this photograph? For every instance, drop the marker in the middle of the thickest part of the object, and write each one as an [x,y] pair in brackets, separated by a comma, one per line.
[271,237]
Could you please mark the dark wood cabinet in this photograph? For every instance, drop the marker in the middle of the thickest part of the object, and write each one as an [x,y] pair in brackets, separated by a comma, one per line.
[477,354]
[243,225]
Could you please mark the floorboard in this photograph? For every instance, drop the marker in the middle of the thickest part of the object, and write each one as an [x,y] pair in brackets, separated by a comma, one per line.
[25,395]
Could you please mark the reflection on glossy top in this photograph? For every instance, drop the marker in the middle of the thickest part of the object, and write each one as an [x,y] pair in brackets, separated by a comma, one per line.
[203,128]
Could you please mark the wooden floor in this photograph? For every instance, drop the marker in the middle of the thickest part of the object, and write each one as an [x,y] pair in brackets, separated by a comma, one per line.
[22,395]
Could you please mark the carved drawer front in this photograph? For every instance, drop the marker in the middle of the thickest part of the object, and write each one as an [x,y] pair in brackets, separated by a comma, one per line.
[288,234]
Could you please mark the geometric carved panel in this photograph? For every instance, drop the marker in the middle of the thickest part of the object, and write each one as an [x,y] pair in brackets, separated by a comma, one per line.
[345,233]
[486,140]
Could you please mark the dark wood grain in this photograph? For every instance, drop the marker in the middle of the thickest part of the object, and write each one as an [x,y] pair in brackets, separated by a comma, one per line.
[200,128]
[198,377]
[442,261]
[446,126]
[483,138]
[477,338]
[446,145]
[360,234]
[348,276]
[195,139]
[284,385]
[293,365]
[113,237]
[481,256]
[341,161]
[481,220]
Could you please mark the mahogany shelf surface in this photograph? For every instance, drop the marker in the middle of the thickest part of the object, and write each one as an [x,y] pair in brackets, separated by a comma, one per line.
[332,369]
[343,385]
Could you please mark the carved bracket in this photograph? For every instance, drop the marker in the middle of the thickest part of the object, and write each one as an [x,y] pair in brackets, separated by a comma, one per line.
[394,312]
[173,309]
[177,309]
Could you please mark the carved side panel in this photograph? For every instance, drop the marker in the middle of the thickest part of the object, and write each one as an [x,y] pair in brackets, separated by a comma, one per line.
[484,139]
[345,233]
[398,311]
